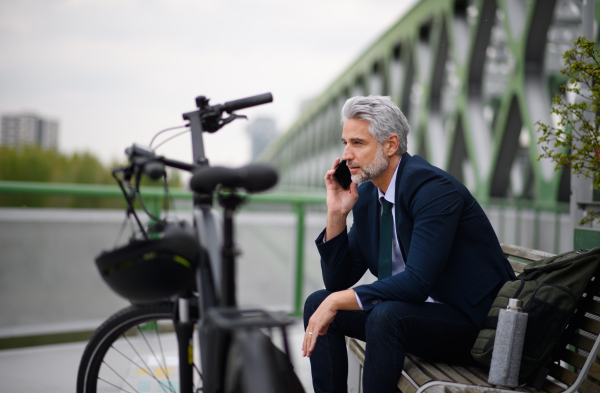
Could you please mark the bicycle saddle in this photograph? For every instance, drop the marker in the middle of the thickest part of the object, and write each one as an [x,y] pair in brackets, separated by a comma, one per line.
[252,178]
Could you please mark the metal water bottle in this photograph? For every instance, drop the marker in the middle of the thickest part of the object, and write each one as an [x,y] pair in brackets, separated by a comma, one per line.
[508,345]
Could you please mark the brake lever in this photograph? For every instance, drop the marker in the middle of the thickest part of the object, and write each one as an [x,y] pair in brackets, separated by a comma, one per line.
[232,118]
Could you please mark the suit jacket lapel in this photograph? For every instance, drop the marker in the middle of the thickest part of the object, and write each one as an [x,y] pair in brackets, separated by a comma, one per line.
[399,216]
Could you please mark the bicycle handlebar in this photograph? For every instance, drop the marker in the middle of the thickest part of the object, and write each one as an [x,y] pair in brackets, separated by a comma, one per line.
[253,177]
[247,102]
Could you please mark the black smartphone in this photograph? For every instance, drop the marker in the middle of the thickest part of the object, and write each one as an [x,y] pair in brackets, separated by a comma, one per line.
[342,175]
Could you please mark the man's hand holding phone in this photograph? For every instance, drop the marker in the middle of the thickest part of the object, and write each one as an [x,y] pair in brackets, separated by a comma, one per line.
[339,200]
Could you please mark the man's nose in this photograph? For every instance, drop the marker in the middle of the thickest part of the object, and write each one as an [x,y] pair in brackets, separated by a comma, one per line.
[347,155]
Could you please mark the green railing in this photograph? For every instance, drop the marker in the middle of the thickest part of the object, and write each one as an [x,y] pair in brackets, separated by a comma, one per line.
[537,207]
[298,202]
[153,196]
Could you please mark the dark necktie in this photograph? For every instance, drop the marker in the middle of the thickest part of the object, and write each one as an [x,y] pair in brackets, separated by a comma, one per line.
[386,233]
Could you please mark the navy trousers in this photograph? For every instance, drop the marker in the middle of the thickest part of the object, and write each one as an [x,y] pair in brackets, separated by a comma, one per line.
[431,331]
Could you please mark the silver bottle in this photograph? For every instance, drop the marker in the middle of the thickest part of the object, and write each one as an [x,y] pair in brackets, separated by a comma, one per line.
[508,345]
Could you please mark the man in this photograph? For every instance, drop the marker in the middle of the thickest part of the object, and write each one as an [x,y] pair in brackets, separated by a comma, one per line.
[437,276]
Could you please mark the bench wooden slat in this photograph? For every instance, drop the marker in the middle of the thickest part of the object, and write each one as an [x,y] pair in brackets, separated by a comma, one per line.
[588,387]
[471,377]
[582,342]
[451,372]
[428,369]
[517,266]
[578,361]
[414,372]
[551,387]
[572,358]
[563,375]
[483,376]
[594,308]
[358,349]
[524,252]
[405,385]
[480,374]
[590,325]
[594,371]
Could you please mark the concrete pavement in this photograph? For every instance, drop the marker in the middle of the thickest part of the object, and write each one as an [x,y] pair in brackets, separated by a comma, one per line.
[53,368]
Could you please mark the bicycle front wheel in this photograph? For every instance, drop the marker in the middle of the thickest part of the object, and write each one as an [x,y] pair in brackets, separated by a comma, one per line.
[135,350]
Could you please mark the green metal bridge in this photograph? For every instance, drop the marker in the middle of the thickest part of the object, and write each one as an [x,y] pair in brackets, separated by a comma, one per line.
[473,77]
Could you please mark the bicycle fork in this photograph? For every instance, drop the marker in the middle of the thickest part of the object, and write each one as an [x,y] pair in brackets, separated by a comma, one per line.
[184,328]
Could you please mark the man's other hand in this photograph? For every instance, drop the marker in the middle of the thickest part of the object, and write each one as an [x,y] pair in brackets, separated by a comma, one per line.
[321,319]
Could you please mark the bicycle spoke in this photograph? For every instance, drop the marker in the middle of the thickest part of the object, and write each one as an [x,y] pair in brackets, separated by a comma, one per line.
[114,357]
[118,375]
[164,368]
[161,351]
[199,373]
[146,368]
[113,385]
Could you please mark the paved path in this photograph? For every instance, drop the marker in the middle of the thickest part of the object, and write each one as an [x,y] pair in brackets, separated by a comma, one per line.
[53,368]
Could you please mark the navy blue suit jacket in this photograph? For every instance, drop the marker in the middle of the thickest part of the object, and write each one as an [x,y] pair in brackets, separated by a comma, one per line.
[449,246]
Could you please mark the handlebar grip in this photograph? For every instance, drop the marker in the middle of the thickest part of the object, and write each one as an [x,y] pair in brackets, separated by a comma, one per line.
[247,102]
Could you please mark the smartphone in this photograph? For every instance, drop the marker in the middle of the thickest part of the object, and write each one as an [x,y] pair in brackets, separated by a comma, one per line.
[342,175]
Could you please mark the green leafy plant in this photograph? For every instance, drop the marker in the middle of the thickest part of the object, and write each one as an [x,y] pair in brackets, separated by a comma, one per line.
[574,143]
[31,163]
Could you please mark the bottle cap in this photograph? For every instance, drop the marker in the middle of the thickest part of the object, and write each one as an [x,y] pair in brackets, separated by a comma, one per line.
[515,304]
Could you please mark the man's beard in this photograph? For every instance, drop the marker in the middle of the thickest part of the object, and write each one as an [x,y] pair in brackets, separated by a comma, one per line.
[371,171]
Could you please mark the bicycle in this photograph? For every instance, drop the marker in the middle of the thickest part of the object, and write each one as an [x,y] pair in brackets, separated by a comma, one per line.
[182,287]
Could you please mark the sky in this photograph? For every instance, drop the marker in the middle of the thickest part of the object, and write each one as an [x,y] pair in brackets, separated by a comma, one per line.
[115,72]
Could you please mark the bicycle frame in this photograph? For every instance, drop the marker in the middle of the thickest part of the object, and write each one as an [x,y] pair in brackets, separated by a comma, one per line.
[210,272]
[221,327]
[215,274]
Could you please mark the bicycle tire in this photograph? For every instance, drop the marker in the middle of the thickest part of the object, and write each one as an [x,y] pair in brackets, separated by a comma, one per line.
[125,355]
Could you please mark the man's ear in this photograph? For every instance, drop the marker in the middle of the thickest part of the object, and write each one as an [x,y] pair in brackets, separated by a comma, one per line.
[393,144]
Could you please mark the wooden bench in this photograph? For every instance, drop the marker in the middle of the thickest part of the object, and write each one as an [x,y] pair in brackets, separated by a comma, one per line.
[578,370]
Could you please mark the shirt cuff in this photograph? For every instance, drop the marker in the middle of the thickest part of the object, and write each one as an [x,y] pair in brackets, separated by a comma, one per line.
[358,301]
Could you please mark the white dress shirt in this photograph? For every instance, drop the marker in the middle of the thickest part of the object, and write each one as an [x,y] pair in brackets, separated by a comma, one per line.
[398,264]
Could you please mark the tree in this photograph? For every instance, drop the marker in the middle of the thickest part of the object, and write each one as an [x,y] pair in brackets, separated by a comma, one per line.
[574,143]
[32,163]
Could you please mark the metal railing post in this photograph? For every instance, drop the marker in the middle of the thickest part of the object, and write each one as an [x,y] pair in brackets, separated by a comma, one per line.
[155,206]
[536,227]
[298,298]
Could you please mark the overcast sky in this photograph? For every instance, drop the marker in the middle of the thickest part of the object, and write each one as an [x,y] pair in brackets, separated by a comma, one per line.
[114,72]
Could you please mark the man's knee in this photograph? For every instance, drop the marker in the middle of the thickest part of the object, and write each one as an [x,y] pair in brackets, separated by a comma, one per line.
[391,319]
[313,302]
[378,321]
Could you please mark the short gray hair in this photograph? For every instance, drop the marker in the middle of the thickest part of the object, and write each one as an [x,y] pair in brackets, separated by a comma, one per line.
[384,116]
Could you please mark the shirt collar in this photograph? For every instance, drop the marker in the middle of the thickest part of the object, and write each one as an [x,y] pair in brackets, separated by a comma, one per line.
[390,194]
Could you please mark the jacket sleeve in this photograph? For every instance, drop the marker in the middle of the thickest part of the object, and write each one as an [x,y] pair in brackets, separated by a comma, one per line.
[342,264]
[435,206]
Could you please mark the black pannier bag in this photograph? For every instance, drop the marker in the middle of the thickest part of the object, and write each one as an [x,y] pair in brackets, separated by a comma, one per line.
[553,291]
